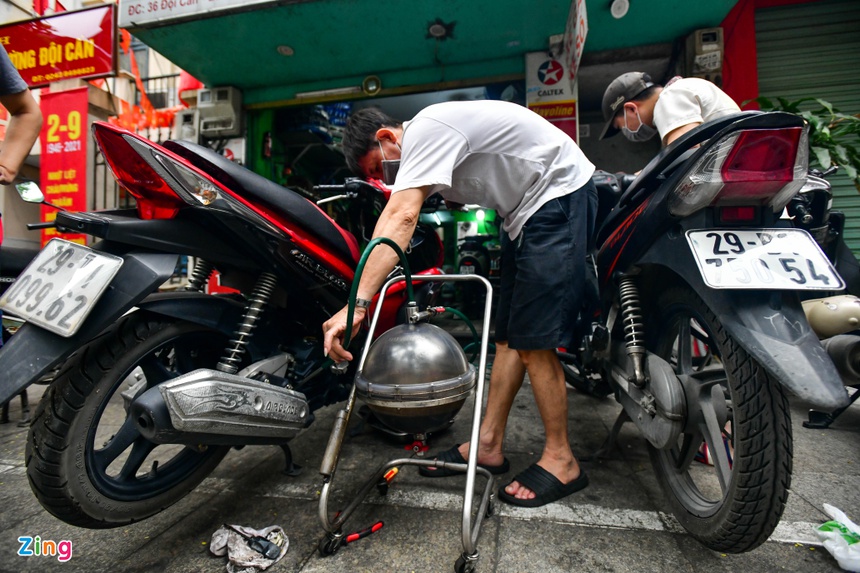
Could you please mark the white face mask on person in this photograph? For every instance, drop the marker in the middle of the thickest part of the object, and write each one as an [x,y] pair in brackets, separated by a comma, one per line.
[389,166]
[643,132]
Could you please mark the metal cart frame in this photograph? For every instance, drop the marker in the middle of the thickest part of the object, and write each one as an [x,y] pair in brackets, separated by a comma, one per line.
[470,531]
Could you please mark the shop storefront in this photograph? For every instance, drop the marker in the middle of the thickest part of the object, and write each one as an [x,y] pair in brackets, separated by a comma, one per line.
[300,68]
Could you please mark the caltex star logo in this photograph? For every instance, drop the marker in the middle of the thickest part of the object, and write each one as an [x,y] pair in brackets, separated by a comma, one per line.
[550,72]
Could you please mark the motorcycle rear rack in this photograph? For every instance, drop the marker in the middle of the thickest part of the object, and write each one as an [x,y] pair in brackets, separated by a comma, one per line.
[471,524]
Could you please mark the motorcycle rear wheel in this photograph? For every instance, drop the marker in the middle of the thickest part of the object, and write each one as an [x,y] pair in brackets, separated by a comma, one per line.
[86,462]
[743,416]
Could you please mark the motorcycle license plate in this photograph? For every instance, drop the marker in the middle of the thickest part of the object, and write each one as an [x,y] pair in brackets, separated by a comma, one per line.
[467,269]
[60,286]
[762,259]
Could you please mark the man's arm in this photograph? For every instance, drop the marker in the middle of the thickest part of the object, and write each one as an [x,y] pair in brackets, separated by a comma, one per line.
[679,131]
[397,222]
[24,125]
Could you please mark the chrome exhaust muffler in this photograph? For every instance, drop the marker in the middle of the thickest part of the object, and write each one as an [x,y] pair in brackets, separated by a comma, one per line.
[209,407]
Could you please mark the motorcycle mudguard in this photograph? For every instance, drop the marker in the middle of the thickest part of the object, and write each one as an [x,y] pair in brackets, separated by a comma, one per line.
[215,312]
[772,328]
[32,351]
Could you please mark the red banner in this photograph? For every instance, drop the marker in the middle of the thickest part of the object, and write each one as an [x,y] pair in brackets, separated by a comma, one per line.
[64,155]
[80,44]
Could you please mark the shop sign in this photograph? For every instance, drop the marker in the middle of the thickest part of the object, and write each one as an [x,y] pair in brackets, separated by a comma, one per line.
[549,93]
[79,44]
[63,166]
[134,13]
[575,32]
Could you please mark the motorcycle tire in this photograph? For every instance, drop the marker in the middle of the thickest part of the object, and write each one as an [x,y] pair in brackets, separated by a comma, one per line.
[84,456]
[734,504]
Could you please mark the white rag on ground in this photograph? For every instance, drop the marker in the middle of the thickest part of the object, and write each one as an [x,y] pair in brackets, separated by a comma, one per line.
[240,557]
[841,537]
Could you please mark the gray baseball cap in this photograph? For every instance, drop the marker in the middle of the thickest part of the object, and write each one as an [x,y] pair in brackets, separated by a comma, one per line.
[622,89]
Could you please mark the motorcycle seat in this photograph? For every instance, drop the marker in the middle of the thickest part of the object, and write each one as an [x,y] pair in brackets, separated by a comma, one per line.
[248,184]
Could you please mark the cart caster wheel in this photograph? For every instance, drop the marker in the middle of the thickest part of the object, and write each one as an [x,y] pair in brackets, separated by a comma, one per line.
[329,545]
[382,488]
[465,564]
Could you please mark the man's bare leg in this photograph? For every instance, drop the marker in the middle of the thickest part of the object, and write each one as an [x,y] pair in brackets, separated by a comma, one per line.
[506,379]
[547,380]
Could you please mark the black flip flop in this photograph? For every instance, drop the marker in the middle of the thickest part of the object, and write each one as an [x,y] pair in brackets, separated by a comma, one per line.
[546,487]
[453,455]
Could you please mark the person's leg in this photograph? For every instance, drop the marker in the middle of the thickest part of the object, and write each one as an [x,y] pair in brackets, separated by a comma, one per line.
[506,379]
[507,373]
[547,380]
[547,299]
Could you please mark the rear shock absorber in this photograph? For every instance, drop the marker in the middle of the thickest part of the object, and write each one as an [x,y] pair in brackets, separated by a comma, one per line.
[634,336]
[236,348]
[199,276]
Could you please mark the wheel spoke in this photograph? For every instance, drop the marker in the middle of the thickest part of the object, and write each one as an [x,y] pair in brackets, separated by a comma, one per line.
[120,442]
[686,453]
[141,448]
[685,348]
[154,371]
[713,433]
[186,359]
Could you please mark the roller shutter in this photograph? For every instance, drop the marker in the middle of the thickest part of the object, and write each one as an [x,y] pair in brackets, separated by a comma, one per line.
[811,50]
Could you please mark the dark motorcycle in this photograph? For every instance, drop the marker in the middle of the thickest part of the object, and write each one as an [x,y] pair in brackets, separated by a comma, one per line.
[699,331]
[153,386]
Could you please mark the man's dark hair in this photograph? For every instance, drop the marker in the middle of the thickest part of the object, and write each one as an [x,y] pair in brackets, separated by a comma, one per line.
[360,134]
[646,93]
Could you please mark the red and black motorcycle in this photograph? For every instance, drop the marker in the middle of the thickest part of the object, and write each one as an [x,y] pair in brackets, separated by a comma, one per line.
[152,387]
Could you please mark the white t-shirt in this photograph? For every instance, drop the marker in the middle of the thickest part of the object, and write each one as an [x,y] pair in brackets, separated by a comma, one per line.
[496,154]
[690,100]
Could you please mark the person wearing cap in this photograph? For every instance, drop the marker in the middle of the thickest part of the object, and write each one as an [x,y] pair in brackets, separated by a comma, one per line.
[641,109]
[502,156]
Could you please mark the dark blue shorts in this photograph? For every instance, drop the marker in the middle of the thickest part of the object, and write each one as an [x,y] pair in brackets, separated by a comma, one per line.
[542,286]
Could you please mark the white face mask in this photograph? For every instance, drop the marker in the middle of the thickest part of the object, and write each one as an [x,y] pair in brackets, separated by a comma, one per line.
[389,166]
[643,132]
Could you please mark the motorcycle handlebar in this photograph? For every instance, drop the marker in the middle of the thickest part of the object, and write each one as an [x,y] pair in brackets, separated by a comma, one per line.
[36,226]
[348,186]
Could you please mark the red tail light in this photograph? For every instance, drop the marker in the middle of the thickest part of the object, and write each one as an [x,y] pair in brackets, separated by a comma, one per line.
[749,167]
[760,163]
[155,198]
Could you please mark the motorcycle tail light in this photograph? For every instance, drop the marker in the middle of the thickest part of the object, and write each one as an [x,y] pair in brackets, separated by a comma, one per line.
[192,187]
[752,167]
[155,198]
[703,182]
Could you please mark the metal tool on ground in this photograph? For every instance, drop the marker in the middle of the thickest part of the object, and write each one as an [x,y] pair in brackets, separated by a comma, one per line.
[416,377]
[259,544]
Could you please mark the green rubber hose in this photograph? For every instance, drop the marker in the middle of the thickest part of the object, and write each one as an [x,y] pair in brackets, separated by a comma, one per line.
[353,294]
